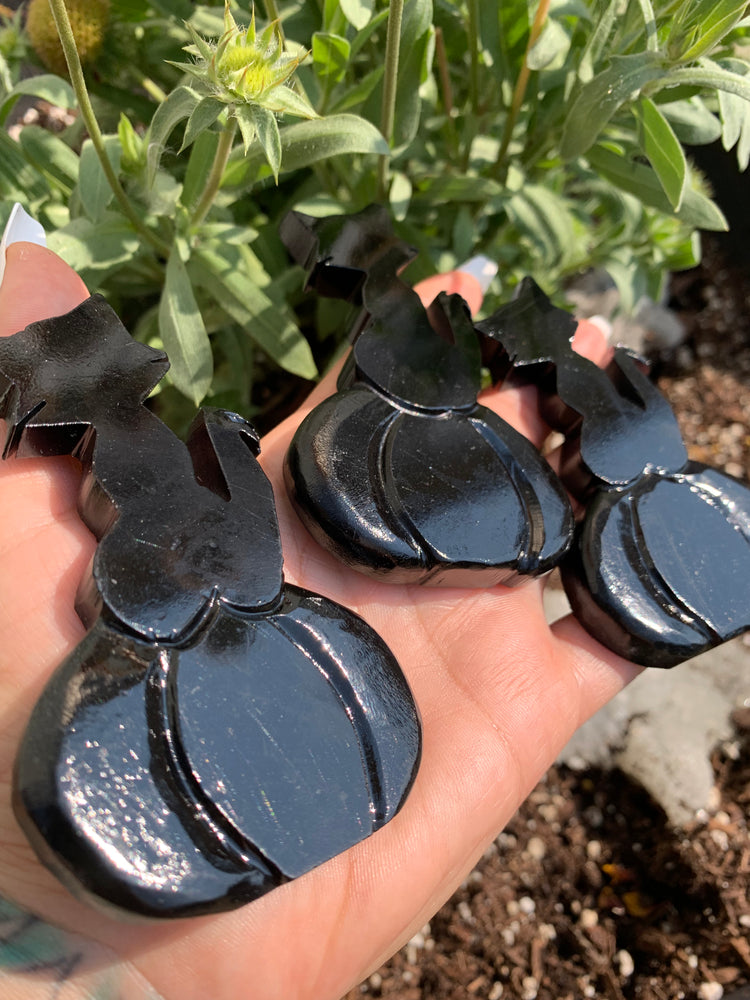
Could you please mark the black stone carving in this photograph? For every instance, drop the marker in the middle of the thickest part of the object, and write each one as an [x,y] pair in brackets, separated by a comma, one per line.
[401,473]
[660,570]
[216,733]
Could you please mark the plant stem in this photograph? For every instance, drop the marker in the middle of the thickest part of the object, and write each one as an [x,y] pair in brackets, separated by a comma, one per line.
[521,84]
[65,32]
[446,91]
[472,7]
[390,81]
[272,14]
[226,140]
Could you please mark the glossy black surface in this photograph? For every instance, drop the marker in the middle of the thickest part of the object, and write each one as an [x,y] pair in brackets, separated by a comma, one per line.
[216,733]
[660,570]
[401,473]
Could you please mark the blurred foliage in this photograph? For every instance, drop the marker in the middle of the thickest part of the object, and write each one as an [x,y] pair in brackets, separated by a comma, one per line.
[549,136]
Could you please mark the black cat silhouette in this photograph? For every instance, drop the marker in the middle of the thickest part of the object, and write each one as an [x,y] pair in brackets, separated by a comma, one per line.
[402,473]
[660,570]
[216,733]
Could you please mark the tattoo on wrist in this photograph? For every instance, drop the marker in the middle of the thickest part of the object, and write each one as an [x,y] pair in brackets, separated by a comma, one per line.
[38,960]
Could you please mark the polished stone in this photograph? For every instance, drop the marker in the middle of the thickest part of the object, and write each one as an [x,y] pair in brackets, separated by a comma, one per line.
[216,733]
[402,474]
[660,569]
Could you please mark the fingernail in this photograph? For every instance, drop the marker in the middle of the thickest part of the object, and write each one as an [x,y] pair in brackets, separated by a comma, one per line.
[481,268]
[20,228]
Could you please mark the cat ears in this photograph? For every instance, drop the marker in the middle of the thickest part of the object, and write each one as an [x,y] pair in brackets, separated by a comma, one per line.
[20,228]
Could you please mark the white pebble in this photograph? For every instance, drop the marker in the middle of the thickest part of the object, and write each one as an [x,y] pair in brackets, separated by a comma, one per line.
[375,980]
[692,961]
[710,991]
[536,848]
[594,850]
[465,913]
[588,918]
[745,920]
[547,932]
[721,839]
[509,938]
[529,987]
[496,992]
[625,960]
[526,905]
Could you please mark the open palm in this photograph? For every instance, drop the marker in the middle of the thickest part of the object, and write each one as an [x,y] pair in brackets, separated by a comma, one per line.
[498,689]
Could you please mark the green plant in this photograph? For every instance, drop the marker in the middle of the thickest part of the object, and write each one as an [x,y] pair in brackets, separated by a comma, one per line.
[549,136]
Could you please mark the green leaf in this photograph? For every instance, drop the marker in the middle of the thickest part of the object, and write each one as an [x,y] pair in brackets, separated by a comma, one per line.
[201,160]
[663,149]
[359,93]
[357,12]
[269,138]
[47,87]
[649,23]
[93,187]
[305,143]
[709,75]
[735,114]
[222,273]
[51,156]
[246,121]
[597,41]
[183,333]
[284,100]
[179,105]
[90,247]
[330,56]
[202,117]
[696,209]
[545,218]
[131,142]
[447,188]
[399,195]
[693,123]
[599,99]
[551,46]
[19,181]
[709,22]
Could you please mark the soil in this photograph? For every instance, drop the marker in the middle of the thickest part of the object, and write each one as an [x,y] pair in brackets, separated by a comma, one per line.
[589,892]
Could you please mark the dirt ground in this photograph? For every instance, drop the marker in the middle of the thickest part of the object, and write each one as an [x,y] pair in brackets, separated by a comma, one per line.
[588,892]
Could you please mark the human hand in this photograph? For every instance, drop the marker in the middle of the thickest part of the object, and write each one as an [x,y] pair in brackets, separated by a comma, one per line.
[499,691]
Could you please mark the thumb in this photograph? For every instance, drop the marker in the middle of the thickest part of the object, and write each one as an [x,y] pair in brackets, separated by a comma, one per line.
[36,285]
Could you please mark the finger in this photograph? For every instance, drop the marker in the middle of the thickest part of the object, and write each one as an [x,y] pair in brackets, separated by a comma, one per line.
[520,405]
[37,284]
[44,546]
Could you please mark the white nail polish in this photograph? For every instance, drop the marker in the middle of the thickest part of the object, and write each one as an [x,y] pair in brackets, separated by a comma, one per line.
[481,268]
[20,228]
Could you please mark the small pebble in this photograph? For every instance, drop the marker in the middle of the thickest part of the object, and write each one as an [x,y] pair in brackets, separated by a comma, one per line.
[529,988]
[375,980]
[745,920]
[536,848]
[588,918]
[526,905]
[509,938]
[594,850]
[465,912]
[496,992]
[625,960]
[547,932]
[721,839]
[710,991]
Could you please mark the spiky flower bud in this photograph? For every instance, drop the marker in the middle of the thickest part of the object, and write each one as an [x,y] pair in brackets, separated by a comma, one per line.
[88,21]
